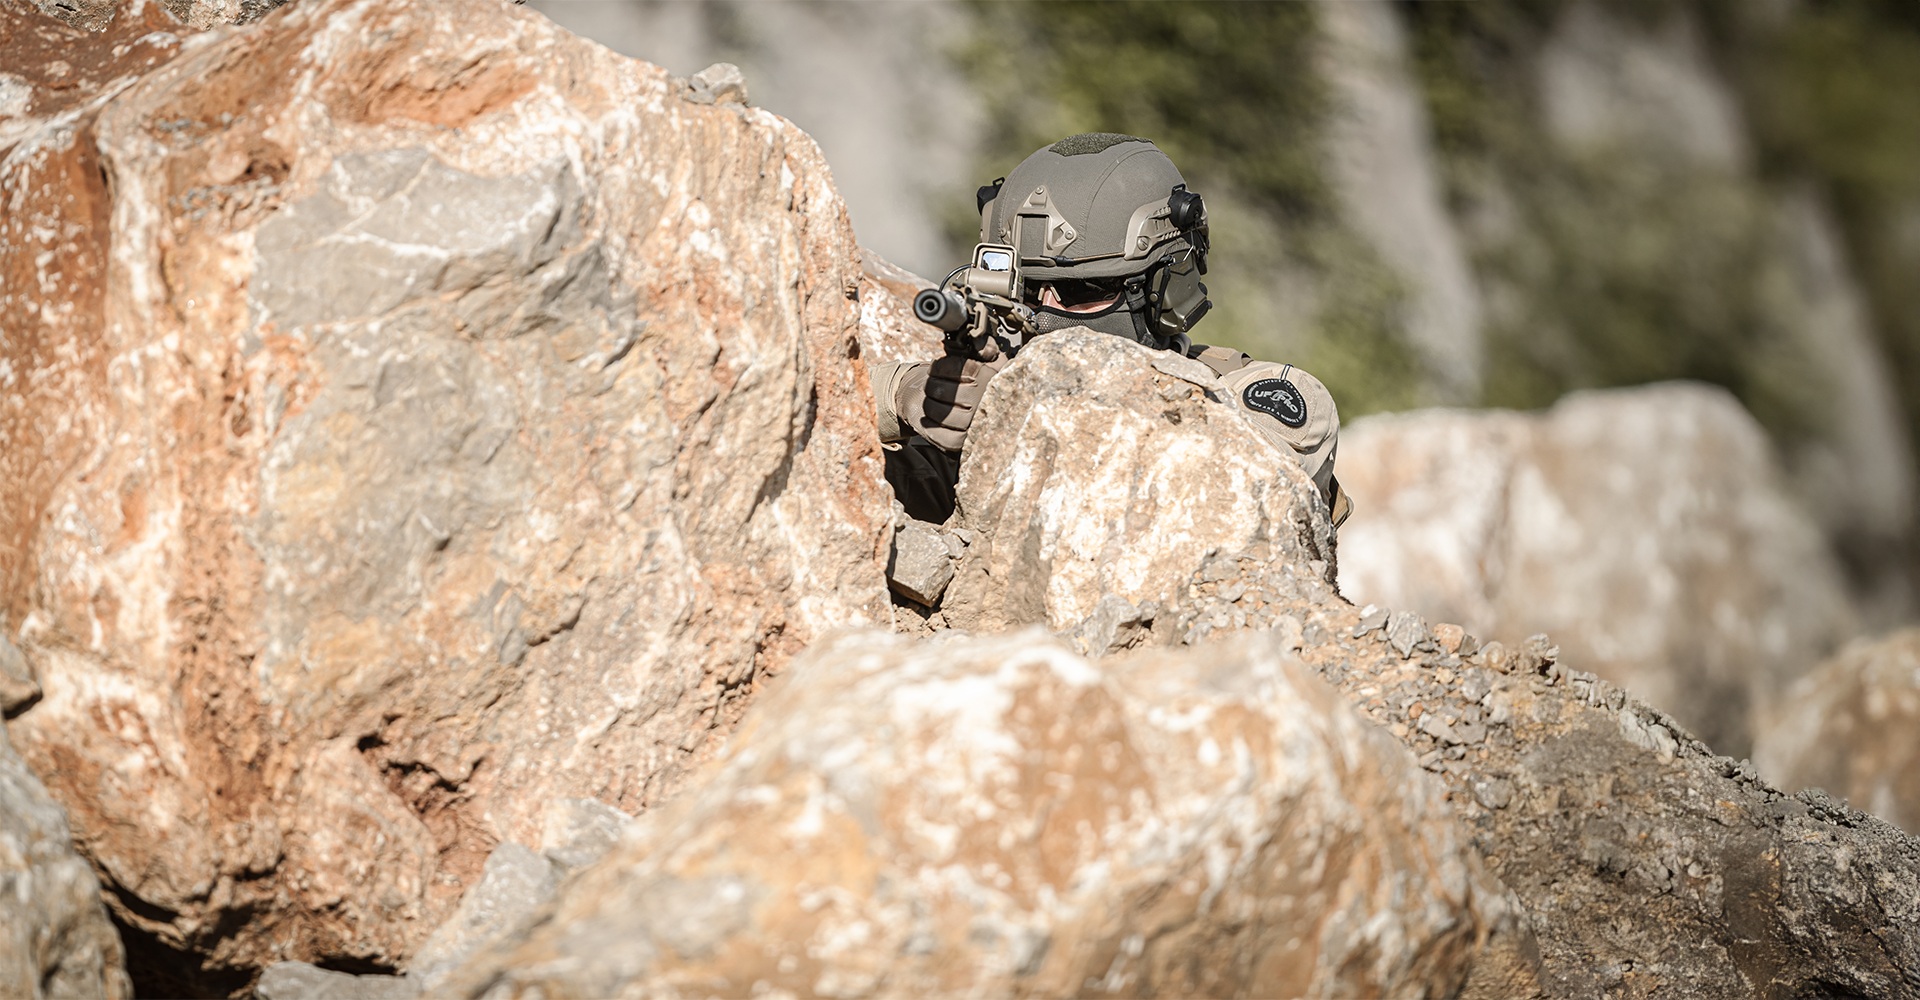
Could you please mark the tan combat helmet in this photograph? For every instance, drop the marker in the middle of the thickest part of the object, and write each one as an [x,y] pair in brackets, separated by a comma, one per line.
[1107,213]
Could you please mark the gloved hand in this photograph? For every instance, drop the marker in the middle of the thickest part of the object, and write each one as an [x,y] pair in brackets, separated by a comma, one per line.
[938,400]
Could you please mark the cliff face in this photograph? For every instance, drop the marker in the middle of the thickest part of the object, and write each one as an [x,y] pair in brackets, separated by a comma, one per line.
[431,415]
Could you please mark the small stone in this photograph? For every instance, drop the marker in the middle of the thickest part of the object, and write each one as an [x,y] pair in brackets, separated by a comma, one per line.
[920,565]
[1371,618]
[1406,633]
[1495,656]
[1491,792]
[1449,636]
[720,83]
[1469,645]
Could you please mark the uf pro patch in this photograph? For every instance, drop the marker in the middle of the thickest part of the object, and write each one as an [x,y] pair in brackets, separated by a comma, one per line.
[1277,398]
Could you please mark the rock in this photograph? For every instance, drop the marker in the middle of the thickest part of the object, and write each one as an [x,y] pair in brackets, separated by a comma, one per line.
[888,329]
[464,422]
[1092,474]
[920,564]
[18,687]
[1852,727]
[577,832]
[1001,817]
[1646,529]
[720,83]
[515,884]
[300,981]
[55,938]
[1639,857]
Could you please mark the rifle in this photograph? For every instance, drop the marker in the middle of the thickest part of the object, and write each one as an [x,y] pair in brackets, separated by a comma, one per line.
[983,318]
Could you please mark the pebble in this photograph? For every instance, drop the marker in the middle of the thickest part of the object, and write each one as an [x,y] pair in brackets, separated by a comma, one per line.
[1370,619]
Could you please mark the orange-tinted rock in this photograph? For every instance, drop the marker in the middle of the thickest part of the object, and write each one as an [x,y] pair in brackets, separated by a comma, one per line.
[1002,817]
[430,416]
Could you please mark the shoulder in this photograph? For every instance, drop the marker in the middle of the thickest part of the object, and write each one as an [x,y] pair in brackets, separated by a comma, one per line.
[1290,395]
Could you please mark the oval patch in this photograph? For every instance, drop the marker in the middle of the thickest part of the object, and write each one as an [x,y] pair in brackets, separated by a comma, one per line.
[1277,398]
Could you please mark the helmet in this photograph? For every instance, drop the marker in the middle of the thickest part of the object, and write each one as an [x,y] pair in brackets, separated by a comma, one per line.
[1114,211]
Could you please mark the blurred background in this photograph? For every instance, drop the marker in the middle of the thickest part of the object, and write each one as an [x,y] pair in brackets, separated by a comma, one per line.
[1486,204]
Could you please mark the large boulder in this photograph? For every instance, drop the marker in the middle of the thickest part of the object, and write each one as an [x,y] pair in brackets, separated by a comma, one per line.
[1646,529]
[55,938]
[1001,817]
[1852,728]
[1100,475]
[427,416]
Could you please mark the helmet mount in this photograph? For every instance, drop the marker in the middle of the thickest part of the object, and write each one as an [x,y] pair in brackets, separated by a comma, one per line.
[1107,207]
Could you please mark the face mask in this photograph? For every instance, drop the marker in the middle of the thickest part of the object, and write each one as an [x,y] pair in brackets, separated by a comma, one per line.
[1114,320]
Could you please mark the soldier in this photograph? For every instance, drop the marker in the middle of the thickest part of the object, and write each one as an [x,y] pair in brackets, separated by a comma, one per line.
[1108,238]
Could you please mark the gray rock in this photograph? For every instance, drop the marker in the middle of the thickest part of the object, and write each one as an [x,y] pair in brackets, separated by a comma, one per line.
[515,884]
[18,687]
[720,83]
[55,938]
[1406,632]
[1371,619]
[921,563]
[576,832]
[300,981]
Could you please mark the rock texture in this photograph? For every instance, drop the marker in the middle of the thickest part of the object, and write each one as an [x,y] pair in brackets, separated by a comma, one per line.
[888,329]
[1645,529]
[55,938]
[1645,864]
[1100,476]
[1000,817]
[431,416]
[1852,728]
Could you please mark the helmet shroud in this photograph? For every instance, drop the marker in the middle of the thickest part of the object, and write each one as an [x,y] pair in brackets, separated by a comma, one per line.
[1101,205]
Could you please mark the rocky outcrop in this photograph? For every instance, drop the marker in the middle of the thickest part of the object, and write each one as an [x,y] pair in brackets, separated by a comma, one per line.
[1002,817]
[1852,728]
[55,938]
[1643,862]
[440,418]
[1647,530]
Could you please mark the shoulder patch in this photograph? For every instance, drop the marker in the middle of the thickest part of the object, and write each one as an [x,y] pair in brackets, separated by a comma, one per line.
[1277,398]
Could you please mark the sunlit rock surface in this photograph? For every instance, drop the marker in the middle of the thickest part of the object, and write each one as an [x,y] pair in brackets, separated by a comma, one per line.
[1101,475]
[1646,530]
[431,416]
[1003,817]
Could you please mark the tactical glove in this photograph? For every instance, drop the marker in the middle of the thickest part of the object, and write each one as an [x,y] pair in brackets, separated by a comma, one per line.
[938,400]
